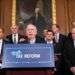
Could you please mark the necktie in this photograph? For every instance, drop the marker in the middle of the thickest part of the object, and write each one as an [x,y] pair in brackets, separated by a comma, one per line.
[32,41]
[14,38]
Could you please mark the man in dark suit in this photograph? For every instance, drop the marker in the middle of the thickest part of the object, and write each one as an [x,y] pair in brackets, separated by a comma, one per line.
[59,48]
[69,51]
[15,37]
[49,39]
[59,38]
[31,33]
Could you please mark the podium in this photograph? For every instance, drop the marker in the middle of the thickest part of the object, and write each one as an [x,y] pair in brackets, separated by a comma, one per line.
[28,59]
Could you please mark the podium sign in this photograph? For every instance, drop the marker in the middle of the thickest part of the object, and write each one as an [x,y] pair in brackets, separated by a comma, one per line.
[28,56]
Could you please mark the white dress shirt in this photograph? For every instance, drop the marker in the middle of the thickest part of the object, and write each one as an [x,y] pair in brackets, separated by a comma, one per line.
[15,38]
[50,42]
[32,41]
[1,41]
[57,37]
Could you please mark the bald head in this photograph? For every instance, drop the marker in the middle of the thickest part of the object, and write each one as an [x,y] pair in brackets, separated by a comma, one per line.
[31,31]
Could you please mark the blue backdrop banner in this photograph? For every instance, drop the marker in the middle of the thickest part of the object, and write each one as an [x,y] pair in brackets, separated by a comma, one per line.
[28,56]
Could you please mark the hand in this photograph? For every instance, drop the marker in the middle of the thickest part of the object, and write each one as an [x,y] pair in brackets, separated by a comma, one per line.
[22,39]
[72,69]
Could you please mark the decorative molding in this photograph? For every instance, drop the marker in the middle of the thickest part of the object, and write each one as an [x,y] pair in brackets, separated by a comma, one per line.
[54,11]
[13,12]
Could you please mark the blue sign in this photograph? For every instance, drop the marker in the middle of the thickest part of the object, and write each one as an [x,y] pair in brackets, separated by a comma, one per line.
[28,56]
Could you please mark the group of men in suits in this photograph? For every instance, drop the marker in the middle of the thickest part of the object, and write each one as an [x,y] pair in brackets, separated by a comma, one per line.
[64,47]
[57,39]
[64,52]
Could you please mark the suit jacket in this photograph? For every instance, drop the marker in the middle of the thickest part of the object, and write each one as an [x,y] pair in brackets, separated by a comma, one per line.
[58,57]
[59,52]
[38,40]
[60,45]
[9,38]
[69,52]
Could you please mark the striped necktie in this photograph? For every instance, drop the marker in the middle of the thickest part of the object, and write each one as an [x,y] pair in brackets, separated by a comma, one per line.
[14,38]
